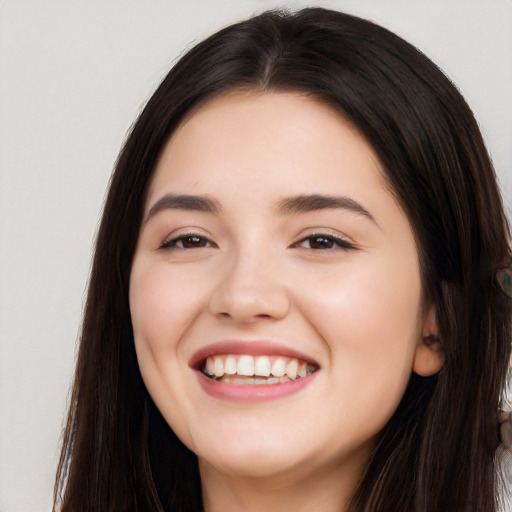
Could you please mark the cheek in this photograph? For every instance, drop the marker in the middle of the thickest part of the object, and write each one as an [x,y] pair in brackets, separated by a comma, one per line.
[384,298]
[162,304]
[370,319]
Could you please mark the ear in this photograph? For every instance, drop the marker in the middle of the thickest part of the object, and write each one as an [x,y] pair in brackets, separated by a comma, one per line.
[429,355]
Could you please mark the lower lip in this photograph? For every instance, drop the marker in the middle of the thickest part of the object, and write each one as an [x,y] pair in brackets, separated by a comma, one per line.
[252,392]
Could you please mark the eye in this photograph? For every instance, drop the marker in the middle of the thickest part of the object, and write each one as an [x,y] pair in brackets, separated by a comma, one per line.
[323,242]
[188,241]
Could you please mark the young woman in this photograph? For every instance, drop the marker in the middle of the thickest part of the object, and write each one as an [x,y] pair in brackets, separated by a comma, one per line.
[298,299]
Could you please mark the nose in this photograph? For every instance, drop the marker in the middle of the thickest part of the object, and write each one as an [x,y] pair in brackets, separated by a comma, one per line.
[250,289]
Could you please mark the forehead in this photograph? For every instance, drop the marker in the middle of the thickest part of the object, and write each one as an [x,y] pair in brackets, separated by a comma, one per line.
[279,136]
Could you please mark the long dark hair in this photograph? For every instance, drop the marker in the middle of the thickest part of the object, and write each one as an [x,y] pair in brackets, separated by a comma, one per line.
[437,452]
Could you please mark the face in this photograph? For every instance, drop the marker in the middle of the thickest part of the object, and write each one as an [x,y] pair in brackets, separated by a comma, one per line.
[275,291]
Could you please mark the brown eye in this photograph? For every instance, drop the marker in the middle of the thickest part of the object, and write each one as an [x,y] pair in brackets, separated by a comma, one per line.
[187,242]
[321,242]
[193,242]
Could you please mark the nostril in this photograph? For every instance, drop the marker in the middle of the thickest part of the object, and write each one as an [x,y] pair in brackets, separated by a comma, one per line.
[241,300]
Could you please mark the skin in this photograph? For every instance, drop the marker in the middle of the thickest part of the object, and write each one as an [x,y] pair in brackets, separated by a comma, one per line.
[257,273]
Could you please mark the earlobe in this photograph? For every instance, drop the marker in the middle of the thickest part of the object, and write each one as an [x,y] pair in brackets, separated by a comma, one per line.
[429,355]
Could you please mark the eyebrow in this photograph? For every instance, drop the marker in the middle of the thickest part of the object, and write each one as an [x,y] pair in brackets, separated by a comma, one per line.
[313,202]
[184,202]
[286,206]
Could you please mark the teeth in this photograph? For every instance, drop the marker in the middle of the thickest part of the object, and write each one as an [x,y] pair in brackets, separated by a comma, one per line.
[278,367]
[245,381]
[209,366]
[218,367]
[262,366]
[238,382]
[269,369]
[230,365]
[291,369]
[245,366]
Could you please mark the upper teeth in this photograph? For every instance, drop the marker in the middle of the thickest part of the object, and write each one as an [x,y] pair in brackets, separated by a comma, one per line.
[261,366]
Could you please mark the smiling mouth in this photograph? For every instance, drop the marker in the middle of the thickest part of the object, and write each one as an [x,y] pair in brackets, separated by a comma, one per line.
[243,369]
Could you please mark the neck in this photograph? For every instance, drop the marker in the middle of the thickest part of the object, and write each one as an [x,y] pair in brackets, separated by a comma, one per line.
[326,490]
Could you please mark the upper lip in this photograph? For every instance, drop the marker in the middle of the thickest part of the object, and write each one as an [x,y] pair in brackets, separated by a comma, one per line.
[249,347]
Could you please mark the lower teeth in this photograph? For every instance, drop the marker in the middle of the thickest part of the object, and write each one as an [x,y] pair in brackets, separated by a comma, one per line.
[251,381]
[246,381]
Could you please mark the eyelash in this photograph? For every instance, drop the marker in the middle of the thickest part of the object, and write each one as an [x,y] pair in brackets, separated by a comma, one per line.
[173,242]
[328,242]
[334,242]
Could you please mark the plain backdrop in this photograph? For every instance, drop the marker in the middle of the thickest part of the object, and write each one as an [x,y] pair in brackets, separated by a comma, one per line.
[73,76]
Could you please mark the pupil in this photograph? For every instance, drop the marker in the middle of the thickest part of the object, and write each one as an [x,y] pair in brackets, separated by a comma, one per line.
[192,241]
[320,242]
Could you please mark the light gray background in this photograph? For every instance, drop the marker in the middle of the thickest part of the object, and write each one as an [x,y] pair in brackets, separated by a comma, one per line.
[73,76]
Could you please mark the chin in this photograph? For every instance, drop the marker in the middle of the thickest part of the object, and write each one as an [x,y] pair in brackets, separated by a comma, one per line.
[253,462]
